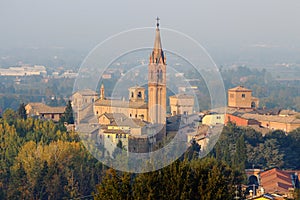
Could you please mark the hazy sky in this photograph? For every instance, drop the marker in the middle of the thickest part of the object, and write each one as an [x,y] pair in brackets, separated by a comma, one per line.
[85,23]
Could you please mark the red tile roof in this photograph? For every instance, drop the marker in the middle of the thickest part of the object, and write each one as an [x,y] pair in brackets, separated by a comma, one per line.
[240,89]
[276,180]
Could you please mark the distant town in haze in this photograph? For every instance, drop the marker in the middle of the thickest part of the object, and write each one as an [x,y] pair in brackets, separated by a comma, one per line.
[60,140]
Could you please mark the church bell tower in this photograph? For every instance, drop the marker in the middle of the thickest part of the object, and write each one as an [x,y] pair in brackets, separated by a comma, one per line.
[157,82]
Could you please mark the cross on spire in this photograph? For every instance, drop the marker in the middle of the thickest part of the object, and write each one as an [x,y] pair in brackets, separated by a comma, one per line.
[157,22]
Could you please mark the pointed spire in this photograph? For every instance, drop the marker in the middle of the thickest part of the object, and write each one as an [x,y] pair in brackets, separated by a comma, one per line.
[157,53]
[157,42]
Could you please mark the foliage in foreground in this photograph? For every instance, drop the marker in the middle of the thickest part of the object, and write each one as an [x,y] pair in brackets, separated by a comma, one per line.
[196,179]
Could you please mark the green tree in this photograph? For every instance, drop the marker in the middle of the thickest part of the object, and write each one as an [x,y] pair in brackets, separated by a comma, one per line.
[18,186]
[9,116]
[113,187]
[22,111]
[68,114]
[41,183]
[272,153]
[240,156]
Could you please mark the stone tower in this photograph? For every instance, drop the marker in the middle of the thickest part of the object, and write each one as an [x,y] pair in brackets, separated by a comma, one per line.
[157,82]
[137,94]
[102,92]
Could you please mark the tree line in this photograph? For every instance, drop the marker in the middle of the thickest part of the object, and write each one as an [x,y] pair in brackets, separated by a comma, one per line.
[41,160]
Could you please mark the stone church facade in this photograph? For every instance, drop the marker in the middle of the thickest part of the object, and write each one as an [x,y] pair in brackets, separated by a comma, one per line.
[153,110]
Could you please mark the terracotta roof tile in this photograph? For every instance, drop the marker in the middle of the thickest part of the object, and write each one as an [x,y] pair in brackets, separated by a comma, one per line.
[276,180]
[240,89]
[87,92]
[272,118]
[182,96]
[121,103]
[44,109]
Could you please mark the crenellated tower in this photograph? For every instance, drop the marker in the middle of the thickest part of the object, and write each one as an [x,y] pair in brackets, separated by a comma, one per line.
[157,82]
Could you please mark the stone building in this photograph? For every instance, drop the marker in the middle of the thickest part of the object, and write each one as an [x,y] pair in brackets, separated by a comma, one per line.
[241,98]
[140,122]
[153,111]
[43,111]
[181,104]
[273,122]
[157,82]
[213,119]
[83,98]
[135,108]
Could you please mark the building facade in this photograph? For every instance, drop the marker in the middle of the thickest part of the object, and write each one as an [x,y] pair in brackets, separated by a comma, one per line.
[43,111]
[181,104]
[153,111]
[83,98]
[241,98]
[135,108]
[213,119]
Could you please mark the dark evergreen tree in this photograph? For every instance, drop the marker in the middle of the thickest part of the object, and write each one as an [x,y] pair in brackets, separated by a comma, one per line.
[22,111]
[40,185]
[18,185]
[240,156]
[68,114]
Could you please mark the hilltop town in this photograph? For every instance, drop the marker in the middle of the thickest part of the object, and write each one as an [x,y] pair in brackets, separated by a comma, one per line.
[255,136]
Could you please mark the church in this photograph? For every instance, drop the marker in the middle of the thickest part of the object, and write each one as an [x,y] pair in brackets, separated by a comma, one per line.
[140,121]
[138,107]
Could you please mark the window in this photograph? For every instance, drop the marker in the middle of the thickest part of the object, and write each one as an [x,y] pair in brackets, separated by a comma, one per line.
[117,135]
[139,94]
[243,95]
[124,136]
[218,117]
[130,115]
[132,94]
[231,96]
[107,136]
[135,115]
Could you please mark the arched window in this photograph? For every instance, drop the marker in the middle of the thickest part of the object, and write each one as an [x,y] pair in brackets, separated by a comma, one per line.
[139,94]
[160,76]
